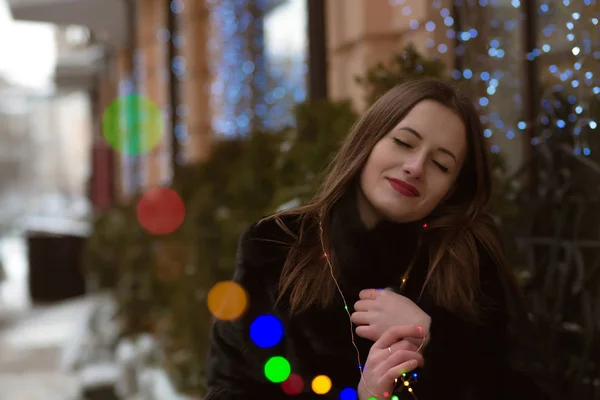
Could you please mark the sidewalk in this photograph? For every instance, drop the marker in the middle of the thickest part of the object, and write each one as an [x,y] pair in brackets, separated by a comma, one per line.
[35,346]
[39,346]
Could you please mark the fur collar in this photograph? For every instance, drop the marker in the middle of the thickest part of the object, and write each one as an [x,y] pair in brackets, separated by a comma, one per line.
[370,258]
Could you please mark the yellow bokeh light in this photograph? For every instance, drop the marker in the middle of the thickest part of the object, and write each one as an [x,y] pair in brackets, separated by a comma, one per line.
[321,384]
[227,300]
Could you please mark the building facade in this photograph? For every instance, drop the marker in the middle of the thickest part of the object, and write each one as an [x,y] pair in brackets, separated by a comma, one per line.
[218,68]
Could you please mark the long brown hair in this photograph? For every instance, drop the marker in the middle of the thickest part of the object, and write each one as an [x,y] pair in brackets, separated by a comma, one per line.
[454,228]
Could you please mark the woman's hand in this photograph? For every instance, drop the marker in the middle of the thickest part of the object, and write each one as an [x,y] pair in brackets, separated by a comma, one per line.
[390,357]
[378,310]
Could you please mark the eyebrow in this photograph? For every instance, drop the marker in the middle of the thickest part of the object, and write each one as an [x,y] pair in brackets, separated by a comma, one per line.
[420,137]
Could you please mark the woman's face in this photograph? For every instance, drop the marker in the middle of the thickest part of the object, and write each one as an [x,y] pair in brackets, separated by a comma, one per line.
[414,167]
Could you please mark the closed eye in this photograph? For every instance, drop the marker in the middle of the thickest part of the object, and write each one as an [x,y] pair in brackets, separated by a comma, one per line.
[440,166]
[437,164]
[401,143]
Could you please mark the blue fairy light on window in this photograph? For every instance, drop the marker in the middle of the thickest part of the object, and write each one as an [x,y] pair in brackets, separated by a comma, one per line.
[260,71]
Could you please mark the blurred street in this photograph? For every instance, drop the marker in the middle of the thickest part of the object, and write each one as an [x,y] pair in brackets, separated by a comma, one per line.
[35,341]
[33,345]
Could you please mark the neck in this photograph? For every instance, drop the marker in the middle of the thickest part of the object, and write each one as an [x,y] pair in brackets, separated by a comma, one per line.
[371,252]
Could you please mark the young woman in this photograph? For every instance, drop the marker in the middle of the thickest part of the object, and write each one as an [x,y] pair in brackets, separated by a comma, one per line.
[391,281]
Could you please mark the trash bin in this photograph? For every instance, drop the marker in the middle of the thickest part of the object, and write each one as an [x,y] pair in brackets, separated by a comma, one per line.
[55,266]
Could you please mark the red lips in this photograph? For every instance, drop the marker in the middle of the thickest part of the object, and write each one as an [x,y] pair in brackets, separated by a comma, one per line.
[404,188]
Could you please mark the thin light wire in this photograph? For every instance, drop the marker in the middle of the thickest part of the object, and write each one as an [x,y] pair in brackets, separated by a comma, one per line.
[404,280]
[362,376]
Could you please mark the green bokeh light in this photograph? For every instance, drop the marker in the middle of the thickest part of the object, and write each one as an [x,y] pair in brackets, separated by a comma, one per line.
[277,369]
[133,124]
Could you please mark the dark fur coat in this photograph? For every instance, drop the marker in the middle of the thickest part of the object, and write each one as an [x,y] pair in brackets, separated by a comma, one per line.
[462,360]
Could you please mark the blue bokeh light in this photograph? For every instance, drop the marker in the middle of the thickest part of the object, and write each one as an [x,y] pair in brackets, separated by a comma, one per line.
[266,331]
[348,394]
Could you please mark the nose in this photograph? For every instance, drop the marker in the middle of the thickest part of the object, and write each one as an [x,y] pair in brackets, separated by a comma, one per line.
[415,166]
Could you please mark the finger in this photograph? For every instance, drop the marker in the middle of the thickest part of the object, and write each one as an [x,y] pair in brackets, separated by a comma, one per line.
[369,294]
[401,356]
[378,357]
[361,318]
[404,345]
[364,305]
[394,361]
[397,333]
[396,371]
[367,332]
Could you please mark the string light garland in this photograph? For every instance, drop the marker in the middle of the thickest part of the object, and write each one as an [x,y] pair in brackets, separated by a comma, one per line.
[266,331]
[236,46]
[255,84]
[575,36]
[569,28]
[406,379]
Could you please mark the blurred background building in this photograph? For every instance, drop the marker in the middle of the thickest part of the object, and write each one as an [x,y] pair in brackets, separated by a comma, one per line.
[227,65]
[221,69]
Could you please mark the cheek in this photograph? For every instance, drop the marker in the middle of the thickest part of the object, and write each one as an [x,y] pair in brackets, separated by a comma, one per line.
[438,189]
[369,172]
[379,161]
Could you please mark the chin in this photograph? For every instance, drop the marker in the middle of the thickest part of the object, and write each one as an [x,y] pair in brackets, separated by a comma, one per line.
[393,210]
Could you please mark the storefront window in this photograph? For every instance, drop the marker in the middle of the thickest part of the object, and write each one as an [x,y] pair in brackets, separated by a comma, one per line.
[259,67]
[286,51]
[568,60]
[486,39]
[490,53]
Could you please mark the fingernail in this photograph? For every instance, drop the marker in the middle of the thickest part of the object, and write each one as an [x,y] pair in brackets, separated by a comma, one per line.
[420,329]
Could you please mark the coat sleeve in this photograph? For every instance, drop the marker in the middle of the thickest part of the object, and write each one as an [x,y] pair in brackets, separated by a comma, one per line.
[235,365]
[465,360]
[235,368]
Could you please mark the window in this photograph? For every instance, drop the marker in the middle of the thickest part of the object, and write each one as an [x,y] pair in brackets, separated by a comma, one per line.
[259,67]
[568,62]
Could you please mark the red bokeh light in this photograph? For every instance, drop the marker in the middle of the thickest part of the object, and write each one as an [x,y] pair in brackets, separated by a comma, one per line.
[293,385]
[160,211]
